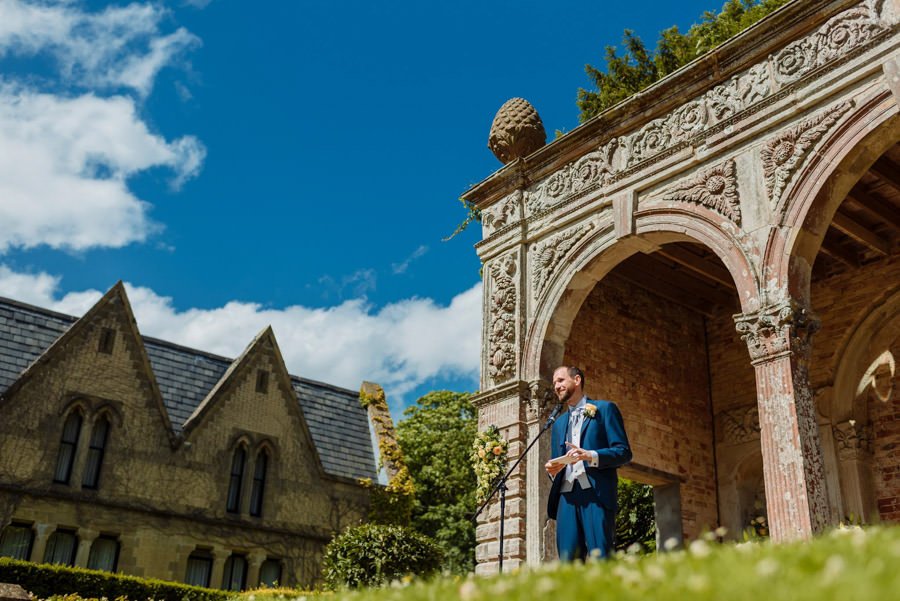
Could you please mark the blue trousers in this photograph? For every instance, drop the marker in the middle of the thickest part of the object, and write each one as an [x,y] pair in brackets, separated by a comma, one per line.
[583,526]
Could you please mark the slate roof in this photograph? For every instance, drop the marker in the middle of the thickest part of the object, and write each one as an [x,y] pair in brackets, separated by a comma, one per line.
[337,422]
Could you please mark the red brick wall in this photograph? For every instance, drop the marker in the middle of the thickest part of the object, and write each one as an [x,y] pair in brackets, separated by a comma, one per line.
[886,449]
[649,356]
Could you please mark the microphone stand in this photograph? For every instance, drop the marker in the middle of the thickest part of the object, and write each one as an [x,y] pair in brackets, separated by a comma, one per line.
[501,483]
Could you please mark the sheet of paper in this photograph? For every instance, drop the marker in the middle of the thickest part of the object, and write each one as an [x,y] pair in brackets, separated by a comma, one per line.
[563,460]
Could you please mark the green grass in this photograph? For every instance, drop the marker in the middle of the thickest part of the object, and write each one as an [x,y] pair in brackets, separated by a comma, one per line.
[845,565]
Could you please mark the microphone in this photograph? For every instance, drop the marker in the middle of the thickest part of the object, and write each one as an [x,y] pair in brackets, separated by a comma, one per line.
[553,415]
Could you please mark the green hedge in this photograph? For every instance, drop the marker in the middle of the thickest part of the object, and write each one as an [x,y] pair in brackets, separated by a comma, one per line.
[376,554]
[46,580]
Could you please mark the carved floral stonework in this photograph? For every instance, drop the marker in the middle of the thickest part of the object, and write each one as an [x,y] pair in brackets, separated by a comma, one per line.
[714,188]
[782,155]
[740,425]
[541,396]
[503,213]
[841,36]
[547,255]
[593,169]
[776,330]
[854,440]
[502,334]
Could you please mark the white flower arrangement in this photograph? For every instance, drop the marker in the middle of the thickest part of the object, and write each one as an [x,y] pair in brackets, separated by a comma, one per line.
[590,410]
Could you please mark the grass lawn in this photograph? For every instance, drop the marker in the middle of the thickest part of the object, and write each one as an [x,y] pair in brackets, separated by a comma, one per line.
[845,565]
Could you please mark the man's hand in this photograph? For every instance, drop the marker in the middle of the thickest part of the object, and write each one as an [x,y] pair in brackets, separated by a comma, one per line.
[578,453]
[554,468]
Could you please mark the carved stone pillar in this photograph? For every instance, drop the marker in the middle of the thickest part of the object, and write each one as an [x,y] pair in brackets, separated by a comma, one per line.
[853,442]
[504,407]
[778,339]
[540,544]
[219,555]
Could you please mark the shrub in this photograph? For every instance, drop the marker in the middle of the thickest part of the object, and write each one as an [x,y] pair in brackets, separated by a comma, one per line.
[46,580]
[375,554]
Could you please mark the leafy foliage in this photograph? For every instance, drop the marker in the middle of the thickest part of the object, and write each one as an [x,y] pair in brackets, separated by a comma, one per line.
[377,554]
[436,439]
[636,68]
[44,580]
[635,522]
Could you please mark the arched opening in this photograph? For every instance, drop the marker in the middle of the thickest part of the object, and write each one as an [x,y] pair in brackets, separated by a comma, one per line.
[655,333]
[849,237]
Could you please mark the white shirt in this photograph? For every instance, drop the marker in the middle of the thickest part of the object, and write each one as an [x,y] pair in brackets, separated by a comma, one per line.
[575,471]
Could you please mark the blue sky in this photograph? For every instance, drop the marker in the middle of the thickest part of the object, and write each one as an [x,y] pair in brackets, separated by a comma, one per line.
[286,162]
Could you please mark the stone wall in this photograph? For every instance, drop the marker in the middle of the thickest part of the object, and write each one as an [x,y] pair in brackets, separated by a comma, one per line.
[162,498]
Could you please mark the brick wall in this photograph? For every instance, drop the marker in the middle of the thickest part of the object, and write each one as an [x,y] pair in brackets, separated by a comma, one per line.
[649,356]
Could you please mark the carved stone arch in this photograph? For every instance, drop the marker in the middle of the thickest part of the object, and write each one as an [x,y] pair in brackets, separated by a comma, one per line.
[269,446]
[602,251]
[810,202]
[872,335]
[76,403]
[112,413]
[241,439]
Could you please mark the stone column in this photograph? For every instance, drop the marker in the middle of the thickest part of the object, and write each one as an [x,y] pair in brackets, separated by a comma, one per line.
[42,532]
[254,562]
[778,339]
[86,538]
[504,407]
[539,540]
[219,555]
[854,450]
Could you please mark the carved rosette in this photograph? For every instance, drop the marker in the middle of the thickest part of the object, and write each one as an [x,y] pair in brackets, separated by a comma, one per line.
[739,425]
[593,169]
[502,333]
[845,33]
[837,38]
[714,188]
[776,330]
[782,155]
[505,212]
[546,256]
[854,440]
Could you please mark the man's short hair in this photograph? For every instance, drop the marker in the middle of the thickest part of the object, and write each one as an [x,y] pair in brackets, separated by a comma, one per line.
[574,371]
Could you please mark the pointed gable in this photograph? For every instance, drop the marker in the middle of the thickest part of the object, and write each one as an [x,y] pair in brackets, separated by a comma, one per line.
[114,302]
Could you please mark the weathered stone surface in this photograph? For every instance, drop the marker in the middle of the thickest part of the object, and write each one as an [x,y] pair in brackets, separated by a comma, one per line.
[13,592]
[517,131]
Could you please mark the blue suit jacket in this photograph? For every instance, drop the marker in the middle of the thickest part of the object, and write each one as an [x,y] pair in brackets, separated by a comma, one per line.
[603,433]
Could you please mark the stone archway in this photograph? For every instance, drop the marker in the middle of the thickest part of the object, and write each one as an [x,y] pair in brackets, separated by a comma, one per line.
[749,151]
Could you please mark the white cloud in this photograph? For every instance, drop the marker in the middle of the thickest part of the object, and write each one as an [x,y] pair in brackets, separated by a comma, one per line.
[120,46]
[400,346]
[64,165]
[401,267]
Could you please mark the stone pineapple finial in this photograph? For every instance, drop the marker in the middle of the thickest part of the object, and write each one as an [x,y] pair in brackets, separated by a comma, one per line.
[517,131]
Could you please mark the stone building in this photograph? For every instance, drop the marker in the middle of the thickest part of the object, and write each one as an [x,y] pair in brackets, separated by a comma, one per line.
[748,201]
[130,454]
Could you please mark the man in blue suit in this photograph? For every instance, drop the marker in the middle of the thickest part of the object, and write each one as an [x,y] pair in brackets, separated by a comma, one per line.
[583,502]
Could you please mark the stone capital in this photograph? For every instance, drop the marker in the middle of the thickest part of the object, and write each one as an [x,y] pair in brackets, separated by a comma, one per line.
[540,398]
[776,330]
[854,440]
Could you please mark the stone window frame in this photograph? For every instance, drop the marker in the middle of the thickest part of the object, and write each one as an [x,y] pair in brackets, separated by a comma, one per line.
[55,536]
[228,572]
[257,489]
[70,444]
[199,555]
[96,452]
[114,538]
[18,525]
[276,561]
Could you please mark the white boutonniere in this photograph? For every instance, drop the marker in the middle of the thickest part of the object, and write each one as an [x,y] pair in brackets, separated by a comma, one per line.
[590,410]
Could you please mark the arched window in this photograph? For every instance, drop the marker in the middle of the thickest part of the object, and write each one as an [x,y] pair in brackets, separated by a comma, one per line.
[270,573]
[61,547]
[199,568]
[16,541]
[237,478]
[67,447]
[235,576]
[259,483]
[95,453]
[104,554]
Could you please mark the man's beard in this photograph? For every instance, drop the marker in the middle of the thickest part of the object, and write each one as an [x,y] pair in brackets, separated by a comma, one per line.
[565,397]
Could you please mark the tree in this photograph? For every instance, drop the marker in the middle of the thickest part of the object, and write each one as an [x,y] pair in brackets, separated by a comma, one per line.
[635,521]
[436,437]
[636,68]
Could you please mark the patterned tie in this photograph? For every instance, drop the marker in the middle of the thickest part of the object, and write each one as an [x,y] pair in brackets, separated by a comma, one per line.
[575,469]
